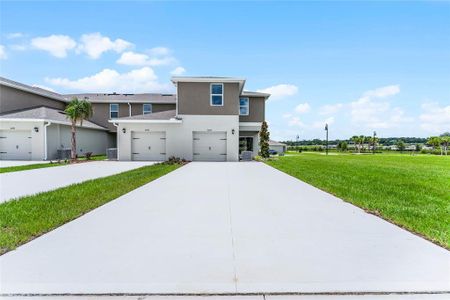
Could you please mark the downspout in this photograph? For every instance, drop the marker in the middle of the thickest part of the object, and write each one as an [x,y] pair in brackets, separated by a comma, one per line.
[117,141]
[45,140]
[129,109]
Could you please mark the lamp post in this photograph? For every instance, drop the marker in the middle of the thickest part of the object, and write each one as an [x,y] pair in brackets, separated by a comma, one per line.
[373,142]
[326,147]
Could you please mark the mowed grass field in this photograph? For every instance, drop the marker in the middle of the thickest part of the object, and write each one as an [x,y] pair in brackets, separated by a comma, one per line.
[411,191]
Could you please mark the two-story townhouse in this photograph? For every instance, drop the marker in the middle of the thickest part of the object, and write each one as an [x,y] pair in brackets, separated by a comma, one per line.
[214,120]
[208,119]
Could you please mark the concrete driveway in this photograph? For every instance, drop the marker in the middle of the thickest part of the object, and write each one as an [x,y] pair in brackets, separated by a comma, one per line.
[226,228]
[23,183]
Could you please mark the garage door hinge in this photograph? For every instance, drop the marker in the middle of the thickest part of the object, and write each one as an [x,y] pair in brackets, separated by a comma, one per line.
[2,152]
[134,153]
[223,139]
[223,154]
[163,153]
[136,138]
[196,153]
[162,138]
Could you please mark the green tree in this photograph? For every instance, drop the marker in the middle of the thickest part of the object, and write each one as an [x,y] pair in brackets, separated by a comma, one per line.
[445,141]
[264,140]
[401,146]
[435,142]
[77,111]
[342,146]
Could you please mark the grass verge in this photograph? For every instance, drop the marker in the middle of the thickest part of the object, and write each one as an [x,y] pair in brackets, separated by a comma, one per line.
[410,191]
[28,217]
[31,167]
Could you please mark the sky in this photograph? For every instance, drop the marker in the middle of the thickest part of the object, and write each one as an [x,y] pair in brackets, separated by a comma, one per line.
[360,67]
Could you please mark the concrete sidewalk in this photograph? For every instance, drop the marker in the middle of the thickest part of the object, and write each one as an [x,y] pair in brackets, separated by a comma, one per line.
[227,228]
[23,183]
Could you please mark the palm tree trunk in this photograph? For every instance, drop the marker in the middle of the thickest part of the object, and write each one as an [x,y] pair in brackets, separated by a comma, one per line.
[74,142]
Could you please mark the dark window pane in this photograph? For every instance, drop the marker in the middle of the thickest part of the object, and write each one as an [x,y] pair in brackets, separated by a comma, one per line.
[243,101]
[216,100]
[216,89]
[114,114]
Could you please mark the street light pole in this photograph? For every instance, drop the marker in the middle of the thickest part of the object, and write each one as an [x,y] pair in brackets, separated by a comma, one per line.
[374,142]
[326,129]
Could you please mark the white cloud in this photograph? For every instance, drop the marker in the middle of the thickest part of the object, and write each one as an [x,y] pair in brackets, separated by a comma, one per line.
[434,118]
[280,91]
[302,108]
[95,44]
[384,91]
[287,115]
[295,121]
[17,47]
[14,35]
[159,51]
[130,58]
[321,124]
[44,87]
[56,45]
[372,112]
[108,80]
[330,109]
[178,71]
[3,52]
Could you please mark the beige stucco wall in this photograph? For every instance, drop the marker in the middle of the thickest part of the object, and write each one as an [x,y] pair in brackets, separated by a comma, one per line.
[257,107]
[14,99]
[179,137]
[194,99]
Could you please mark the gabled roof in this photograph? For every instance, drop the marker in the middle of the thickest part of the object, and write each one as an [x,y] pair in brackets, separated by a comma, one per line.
[275,143]
[168,116]
[44,114]
[211,79]
[31,89]
[125,98]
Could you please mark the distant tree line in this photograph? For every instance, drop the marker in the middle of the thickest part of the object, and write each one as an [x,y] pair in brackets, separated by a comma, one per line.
[360,144]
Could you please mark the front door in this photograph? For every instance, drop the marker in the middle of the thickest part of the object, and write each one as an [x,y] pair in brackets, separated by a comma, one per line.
[245,144]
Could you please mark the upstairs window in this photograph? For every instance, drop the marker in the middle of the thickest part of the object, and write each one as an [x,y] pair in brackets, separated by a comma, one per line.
[216,94]
[244,108]
[146,108]
[114,111]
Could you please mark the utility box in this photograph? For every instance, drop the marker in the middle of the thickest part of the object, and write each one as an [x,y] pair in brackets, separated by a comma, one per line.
[111,153]
[64,153]
[246,155]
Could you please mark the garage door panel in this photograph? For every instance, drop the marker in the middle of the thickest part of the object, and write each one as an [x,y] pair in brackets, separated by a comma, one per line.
[210,146]
[148,146]
[15,144]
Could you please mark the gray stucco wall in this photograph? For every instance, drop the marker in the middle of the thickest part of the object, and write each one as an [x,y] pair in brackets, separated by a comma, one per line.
[137,108]
[194,99]
[14,99]
[256,110]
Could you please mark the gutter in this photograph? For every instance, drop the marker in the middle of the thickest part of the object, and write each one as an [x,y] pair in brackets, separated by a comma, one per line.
[129,109]
[118,138]
[45,140]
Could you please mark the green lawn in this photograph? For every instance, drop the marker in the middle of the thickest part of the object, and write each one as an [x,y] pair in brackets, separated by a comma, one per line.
[411,191]
[31,167]
[29,217]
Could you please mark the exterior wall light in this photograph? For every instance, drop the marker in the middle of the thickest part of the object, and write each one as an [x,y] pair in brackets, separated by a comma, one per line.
[36,129]
[232,131]
[124,130]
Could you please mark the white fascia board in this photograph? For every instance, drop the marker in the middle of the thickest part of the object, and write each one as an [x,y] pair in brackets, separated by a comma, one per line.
[46,120]
[250,124]
[172,121]
[241,81]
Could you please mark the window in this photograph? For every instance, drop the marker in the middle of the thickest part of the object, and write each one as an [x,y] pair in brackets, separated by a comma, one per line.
[244,108]
[113,111]
[216,94]
[146,108]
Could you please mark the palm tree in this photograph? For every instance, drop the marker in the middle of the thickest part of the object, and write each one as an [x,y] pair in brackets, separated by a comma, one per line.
[355,140]
[77,110]
[434,141]
[445,141]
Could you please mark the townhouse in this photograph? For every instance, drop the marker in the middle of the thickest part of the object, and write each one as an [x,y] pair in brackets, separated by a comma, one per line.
[207,119]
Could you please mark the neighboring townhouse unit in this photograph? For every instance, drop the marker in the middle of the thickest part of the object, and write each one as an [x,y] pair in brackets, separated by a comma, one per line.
[214,120]
[208,119]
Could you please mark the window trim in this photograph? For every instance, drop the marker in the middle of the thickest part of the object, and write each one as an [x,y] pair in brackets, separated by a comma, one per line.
[111,111]
[211,94]
[151,109]
[248,106]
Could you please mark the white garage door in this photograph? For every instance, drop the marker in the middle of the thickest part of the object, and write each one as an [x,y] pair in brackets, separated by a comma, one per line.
[15,144]
[210,146]
[148,146]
